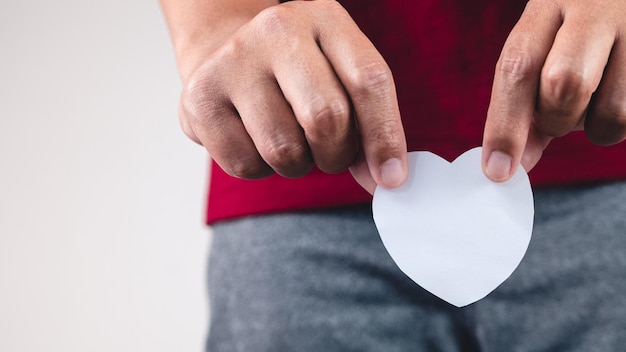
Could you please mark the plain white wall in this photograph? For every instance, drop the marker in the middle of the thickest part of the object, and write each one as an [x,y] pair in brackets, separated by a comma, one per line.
[102,245]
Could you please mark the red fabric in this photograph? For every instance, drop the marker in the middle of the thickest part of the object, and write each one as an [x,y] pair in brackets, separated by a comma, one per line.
[230,197]
[442,54]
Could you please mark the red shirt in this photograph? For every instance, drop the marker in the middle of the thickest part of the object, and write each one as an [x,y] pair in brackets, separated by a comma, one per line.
[442,55]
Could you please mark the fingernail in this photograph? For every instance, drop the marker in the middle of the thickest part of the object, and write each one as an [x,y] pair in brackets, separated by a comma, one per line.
[499,166]
[392,173]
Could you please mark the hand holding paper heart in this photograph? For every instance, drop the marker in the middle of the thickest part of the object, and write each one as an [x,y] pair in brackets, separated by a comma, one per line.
[561,69]
[450,229]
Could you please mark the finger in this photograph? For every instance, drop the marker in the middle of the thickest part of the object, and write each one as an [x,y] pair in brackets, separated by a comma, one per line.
[535,145]
[606,119]
[512,106]
[220,130]
[369,84]
[319,103]
[270,122]
[183,120]
[361,173]
[572,72]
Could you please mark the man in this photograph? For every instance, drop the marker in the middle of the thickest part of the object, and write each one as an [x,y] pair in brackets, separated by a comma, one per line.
[299,90]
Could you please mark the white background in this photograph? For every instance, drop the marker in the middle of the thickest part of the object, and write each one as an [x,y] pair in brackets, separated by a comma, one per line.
[102,245]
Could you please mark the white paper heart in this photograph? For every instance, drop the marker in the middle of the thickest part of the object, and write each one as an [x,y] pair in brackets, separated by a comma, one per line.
[452,230]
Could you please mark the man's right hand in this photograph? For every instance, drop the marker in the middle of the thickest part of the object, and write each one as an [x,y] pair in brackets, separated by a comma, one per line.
[295,86]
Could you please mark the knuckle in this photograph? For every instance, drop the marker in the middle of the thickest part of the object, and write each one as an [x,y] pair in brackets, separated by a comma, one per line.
[234,50]
[324,117]
[247,169]
[285,157]
[208,85]
[565,84]
[373,77]
[517,65]
[275,20]
[333,8]
[382,137]
[198,96]
[203,100]
[194,94]
[279,25]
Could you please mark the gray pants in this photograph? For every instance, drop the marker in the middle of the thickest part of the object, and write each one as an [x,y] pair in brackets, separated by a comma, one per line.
[322,281]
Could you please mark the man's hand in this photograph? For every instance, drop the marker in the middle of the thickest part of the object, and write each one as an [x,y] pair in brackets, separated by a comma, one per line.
[299,84]
[562,68]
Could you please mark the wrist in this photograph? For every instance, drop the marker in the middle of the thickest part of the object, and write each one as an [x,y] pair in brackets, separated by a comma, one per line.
[193,47]
[198,27]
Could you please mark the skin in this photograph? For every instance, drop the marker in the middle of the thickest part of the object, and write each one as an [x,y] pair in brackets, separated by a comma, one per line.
[278,88]
[562,68]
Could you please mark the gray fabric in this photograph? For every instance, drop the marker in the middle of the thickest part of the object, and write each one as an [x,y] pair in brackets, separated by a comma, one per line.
[322,281]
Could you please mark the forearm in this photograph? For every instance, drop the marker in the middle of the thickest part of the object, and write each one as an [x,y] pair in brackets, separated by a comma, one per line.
[198,26]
